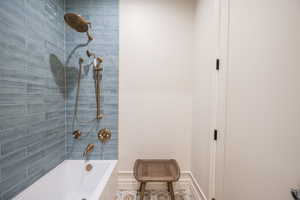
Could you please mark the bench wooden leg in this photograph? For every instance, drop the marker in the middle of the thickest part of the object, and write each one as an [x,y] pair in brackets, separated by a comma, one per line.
[142,190]
[171,190]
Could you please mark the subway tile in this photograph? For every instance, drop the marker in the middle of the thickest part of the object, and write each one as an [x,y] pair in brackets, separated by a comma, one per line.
[15,76]
[9,122]
[43,144]
[55,115]
[36,108]
[12,158]
[13,11]
[13,133]
[41,164]
[12,87]
[21,165]
[19,143]
[57,147]
[13,38]
[10,182]
[57,107]
[47,163]
[23,184]
[34,98]
[44,126]
[35,88]
[11,110]
[57,130]
[51,9]
[12,56]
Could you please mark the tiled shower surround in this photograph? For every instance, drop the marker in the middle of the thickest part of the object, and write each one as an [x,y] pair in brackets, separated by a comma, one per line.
[35,104]
[103,14]
[32,125]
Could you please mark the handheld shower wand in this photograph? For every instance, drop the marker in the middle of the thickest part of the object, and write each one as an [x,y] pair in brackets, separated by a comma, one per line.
[98,70]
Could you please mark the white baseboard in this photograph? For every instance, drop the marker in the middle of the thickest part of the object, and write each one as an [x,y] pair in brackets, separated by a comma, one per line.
[126,181]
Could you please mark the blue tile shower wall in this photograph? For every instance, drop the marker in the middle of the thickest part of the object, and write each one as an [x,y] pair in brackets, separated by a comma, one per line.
[32,90]
[103,14]
[33,96]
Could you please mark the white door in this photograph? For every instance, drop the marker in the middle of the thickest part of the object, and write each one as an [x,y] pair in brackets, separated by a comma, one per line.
[261,123]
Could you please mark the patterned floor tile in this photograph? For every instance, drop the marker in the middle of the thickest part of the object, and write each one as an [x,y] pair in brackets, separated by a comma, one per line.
[154,195]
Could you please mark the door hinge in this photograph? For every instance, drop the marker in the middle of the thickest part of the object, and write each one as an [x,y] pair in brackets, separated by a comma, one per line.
[213,199]
[216,134]
[218,64]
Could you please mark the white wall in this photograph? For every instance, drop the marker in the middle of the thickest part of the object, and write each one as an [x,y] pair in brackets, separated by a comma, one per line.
[156,57]
[167,91]
[203,91]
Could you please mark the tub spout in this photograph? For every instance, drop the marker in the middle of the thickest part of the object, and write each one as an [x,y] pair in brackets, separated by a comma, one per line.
[89,148]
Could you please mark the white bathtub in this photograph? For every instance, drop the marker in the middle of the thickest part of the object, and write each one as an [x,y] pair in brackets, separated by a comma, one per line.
[70,181]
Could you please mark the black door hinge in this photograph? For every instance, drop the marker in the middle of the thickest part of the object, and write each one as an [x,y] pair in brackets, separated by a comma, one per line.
[213,199]
[216,134]
[218,64]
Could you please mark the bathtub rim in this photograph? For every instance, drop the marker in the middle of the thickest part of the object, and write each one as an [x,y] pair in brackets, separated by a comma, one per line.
[99,189]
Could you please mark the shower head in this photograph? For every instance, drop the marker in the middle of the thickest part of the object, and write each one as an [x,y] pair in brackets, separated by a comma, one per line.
[77,22]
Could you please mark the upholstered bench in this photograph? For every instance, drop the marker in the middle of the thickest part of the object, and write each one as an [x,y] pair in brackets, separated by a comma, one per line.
[156,171]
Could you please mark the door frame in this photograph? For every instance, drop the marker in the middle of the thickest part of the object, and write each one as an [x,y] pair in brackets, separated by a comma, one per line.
[222,93]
